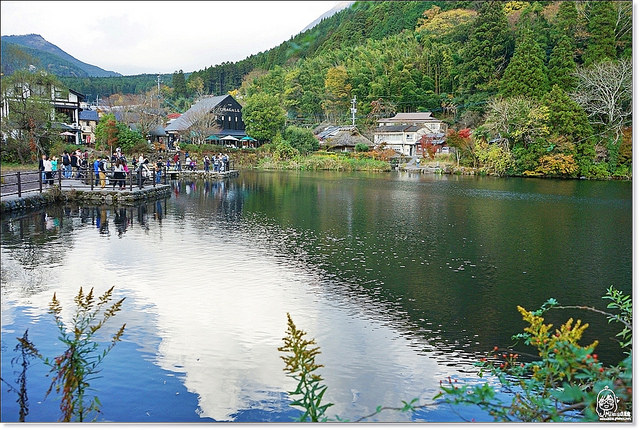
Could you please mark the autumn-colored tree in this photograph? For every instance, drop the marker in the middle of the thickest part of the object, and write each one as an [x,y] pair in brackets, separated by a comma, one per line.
[337,92]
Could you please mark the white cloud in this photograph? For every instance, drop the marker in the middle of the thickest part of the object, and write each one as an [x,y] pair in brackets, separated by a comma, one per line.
[160,37]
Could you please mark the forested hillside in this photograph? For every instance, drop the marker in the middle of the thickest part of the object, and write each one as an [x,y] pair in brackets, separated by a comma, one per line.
[545,86]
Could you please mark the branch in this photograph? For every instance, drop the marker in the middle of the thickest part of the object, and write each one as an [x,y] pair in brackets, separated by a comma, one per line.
[390,408]
[589,308]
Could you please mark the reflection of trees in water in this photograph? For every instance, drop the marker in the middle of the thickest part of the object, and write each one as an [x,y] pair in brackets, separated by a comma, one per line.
[34,242]
[222,198]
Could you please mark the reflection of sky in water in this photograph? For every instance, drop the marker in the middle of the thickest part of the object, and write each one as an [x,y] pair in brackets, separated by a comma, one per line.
[400,282]
[217,300]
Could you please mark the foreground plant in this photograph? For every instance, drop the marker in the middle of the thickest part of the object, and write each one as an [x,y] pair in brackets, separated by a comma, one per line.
[564,383]
[300,365]
[78,365]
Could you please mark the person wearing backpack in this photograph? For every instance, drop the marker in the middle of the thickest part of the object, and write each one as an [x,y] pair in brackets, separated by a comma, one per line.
[66,164]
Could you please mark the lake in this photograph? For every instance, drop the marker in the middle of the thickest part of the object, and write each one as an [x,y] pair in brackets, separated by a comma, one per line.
[402,279]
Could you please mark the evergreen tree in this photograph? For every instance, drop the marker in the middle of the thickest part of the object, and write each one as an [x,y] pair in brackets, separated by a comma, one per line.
[179,84]
[601,27]
[487,51]
[568,120]
[263,116]
[525,74]
[562,65]
[566,22]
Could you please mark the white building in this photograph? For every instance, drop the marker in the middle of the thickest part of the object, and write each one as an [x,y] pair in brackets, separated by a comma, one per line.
[403,132]
[65,104]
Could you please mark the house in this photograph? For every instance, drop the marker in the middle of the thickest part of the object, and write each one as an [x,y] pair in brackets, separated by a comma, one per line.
[212,117]
[403,132]
[342,138]
[88,121]
[65,104]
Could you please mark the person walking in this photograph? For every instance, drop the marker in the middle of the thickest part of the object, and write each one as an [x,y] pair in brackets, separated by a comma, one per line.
[159,166]
[75,163]
[206,163]
[96,170]
[47,170]
[118,174]
[102,172]
[41,168]
[66,164]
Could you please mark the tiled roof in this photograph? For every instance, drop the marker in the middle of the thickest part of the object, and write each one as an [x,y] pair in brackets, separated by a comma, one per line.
[410,117]
[88,115]
[186,119]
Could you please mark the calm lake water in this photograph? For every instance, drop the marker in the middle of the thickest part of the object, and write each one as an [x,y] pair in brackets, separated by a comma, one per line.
[403,280]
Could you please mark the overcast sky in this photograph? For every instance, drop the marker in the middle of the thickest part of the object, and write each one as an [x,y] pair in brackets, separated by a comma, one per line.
[164,36]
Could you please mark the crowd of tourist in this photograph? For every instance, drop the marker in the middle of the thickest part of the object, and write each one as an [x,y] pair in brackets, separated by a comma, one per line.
[76,165]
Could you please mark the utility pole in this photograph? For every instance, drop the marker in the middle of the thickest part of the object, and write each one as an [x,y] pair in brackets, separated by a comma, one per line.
[158,92]
[353,111]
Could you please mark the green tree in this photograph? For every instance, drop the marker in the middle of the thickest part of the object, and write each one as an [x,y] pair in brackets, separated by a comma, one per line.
[263,116]
[29,123]
[486,53]
[562,65]
[179,84]
[568,120]
[566,22]
[301,138]
[601,27]
[526,74]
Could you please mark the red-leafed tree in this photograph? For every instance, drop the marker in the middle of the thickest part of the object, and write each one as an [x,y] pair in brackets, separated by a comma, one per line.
[426,145]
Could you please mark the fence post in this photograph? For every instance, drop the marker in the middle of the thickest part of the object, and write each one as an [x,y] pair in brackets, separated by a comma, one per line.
[165,175]
[130,174]
[59,173]
[19,184]
[91,176]
[155,172]
[40,179]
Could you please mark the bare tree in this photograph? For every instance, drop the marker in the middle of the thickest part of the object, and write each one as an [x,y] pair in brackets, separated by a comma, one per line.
[204,123]
[604,90]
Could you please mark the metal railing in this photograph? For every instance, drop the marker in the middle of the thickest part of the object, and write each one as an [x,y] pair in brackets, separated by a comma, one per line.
[18,183]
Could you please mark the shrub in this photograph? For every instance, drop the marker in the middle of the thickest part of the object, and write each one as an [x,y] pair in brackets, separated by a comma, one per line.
[301,139]
[361,147]
[567,378]
[301,365]
[78,364]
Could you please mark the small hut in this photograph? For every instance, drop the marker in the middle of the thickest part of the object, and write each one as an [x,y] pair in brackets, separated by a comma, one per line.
[342,138]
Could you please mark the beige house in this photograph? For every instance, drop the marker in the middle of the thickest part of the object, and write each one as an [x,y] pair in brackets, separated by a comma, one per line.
[403,132]
[88,122]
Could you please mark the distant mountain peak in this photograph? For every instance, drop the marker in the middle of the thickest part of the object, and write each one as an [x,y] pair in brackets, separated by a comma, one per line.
[337,8]
[51,57]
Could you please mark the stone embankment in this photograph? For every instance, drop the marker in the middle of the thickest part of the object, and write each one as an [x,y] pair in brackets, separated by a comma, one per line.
[97,196]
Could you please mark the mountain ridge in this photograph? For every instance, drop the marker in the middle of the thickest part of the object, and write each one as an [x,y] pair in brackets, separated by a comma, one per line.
[50,57]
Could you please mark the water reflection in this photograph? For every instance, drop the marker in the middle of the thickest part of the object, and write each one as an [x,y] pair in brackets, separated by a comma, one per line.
[400,284]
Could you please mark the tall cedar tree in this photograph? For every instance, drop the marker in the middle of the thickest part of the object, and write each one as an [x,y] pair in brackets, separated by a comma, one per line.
[568,119]
[601,28]
[562,65]
[525,74]
[566,22]
[487,51]
[179,84]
